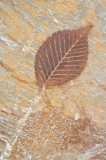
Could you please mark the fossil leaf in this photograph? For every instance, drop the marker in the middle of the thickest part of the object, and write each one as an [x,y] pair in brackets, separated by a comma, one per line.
[62,57]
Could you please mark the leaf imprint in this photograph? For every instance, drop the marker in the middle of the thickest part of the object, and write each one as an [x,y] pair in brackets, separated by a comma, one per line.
[62,57]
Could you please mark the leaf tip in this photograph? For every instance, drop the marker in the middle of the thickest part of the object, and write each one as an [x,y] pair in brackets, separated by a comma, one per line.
[90,26]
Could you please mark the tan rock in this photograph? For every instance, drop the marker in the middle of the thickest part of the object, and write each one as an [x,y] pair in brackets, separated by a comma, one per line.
[72,123]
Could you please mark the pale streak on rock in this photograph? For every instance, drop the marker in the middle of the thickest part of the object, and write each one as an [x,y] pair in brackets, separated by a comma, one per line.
[19,125]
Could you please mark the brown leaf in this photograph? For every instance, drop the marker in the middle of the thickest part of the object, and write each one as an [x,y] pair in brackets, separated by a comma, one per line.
[62,57]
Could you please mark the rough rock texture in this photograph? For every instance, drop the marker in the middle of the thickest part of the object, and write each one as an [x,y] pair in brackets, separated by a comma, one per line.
[71,124]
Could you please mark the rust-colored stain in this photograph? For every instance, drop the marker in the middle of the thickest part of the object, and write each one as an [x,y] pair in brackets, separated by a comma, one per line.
[52,131]
[8,68]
